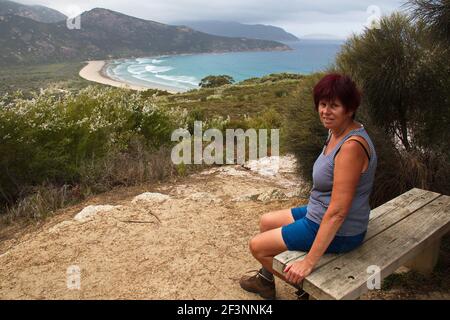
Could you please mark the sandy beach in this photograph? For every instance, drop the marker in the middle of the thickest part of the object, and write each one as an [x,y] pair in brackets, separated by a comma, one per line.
[93,71]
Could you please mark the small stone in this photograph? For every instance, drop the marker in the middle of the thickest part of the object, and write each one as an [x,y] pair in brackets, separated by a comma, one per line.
[90,211]
[151,197]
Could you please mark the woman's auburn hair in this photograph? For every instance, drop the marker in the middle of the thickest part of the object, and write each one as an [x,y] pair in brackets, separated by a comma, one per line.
[337,86]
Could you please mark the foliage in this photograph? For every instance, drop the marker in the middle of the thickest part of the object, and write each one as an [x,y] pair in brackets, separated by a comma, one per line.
[236,100]
[305,135]
[435,14]
[274,77]
[215,81]
[154,93]
[392,64]
[52,136]
[403,72]
[61,77]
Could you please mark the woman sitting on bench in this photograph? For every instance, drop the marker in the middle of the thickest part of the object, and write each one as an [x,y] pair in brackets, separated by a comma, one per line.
[336,217]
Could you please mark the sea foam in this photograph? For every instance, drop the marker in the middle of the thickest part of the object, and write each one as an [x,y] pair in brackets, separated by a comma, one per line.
[183,79]
[157,69]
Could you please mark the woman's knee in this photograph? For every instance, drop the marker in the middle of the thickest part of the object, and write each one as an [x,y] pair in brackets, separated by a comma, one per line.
[266,244]
[255,246]
[266,222]
[275,219]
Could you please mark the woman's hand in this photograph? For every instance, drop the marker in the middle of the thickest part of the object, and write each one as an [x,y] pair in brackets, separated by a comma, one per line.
[299,270]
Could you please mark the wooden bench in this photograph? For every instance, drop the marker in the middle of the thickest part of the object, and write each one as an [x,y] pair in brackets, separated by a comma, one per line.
[404,231]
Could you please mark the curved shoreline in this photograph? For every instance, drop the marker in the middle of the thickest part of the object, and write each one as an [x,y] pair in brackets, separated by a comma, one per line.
[94,71]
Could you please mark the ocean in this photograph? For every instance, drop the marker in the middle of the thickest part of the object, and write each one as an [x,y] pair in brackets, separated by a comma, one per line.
[184,72]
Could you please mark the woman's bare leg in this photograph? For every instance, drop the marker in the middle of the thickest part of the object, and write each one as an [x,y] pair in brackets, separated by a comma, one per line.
[265,246]
[275,219]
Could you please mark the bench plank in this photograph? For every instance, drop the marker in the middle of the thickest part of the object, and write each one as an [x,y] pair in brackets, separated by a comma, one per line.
[380,219]
[346,277]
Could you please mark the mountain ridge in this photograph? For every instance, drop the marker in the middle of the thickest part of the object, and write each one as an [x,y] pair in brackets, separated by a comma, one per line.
[107,34]
[35,12]
[237,29]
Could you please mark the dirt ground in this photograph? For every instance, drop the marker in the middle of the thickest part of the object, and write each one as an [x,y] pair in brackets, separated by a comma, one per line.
[191,243]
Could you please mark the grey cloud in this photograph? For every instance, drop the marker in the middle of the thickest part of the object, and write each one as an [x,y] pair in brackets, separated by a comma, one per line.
[334,16]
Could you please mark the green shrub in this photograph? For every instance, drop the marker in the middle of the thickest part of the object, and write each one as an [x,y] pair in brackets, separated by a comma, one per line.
[150,93]
[403,72]
[268,119]
[281,93]
[274,77]
[51,137]
[305,134]
[215,81]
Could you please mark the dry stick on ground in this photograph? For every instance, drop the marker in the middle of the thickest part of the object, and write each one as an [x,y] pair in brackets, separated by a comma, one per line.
[141,221]
[153,214]
[135,221]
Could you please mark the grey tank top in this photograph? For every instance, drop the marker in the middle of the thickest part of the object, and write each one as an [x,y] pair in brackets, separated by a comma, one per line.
[358,217]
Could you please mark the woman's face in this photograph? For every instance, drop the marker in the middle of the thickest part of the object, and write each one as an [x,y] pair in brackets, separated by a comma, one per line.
[332,114]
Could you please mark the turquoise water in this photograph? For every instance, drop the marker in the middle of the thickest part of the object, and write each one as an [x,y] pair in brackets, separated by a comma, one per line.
[184,72]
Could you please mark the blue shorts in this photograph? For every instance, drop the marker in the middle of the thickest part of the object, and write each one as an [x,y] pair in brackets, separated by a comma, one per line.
[300,235]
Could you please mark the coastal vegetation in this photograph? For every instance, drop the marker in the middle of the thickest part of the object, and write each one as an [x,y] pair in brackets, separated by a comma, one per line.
[61,146]
[215,81]
[28,79]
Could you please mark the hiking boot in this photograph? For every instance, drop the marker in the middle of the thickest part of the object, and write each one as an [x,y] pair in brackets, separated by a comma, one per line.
[258,284]
[302,295]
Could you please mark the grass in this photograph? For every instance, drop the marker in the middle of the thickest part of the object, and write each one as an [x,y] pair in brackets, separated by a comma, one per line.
[33,78]
[237,100]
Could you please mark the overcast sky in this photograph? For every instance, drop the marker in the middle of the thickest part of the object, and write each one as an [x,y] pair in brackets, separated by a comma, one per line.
[300,17]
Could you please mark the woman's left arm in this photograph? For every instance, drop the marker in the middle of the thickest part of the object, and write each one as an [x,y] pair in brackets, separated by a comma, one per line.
[348,166]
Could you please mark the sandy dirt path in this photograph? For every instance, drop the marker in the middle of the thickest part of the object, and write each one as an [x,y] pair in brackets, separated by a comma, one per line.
[182,241]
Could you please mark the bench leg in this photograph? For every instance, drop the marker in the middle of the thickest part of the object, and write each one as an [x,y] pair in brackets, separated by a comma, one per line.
[426,260]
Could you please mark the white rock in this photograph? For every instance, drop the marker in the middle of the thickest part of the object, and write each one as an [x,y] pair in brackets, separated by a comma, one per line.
[273,194]
[271,166]
[90,211]
[293,194]
[152,197]
[59,226]
[233,170]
